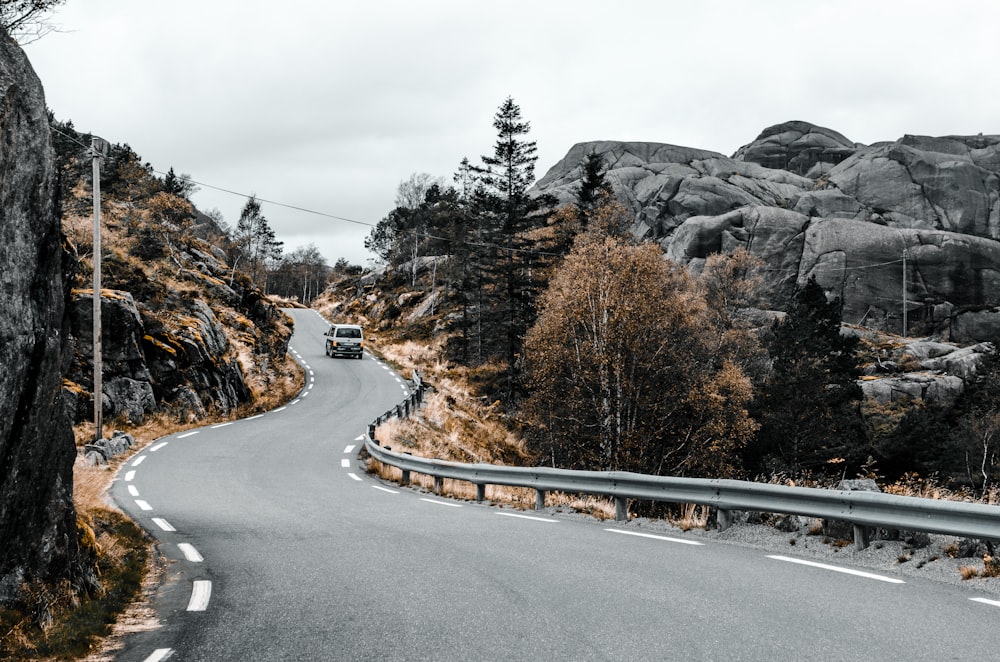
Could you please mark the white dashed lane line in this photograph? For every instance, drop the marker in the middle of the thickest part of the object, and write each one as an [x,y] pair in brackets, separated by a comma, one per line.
[833,568]
[253,417]
[442,503]
[190,553]
[985,601]
[129,475]
[294,402]
[143,505]
[133,490]
[138,460]
[189,434]
[354,476]
[385,489]
[222,425]
[201,593]
[163,524]
[159,655]
[532,518]
[349,449]
[655,537]
[279,409]
[158,446]
[345,463]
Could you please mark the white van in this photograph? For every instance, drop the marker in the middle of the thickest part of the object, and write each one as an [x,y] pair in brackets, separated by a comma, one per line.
[345,340]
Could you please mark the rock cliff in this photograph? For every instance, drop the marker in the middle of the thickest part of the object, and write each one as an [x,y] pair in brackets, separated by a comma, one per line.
[812,203]
[37,520]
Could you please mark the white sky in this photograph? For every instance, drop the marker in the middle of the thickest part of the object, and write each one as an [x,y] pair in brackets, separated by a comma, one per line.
[329,104]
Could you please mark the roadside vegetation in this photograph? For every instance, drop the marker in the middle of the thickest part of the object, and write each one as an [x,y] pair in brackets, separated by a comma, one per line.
[551,338]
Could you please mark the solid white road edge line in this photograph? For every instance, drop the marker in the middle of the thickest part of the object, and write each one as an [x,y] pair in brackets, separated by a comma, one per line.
[846,571]
[189,434]
[159,655]
[385,489]
[655,537]
[143,505]
[133,490]
[534,519]
[442,503]
[129,475]
[190,553]
[163,524]
[985,601]
[355,477]
[349,448]
[201,593]
[345,463]
[158,446]
[138,460]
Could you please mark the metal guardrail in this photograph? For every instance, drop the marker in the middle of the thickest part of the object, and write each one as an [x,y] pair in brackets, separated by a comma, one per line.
[864,510]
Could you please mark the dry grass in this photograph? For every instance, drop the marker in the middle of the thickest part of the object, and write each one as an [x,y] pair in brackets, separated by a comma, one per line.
[968,572]
[991,566]
[692,516]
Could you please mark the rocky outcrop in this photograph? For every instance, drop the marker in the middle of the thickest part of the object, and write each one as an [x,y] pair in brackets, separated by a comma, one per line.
[37,519]
[179,359]
[811,203]
[799,147]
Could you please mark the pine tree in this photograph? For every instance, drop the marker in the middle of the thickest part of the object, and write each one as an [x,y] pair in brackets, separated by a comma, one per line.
[509,215]
[255,243]
[809,408]
[594,189]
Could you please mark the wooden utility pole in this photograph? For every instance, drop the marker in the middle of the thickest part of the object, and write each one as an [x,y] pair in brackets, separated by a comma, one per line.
[97,149]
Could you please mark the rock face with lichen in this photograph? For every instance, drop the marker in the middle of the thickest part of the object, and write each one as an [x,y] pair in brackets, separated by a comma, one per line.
[811,203]
[37,519]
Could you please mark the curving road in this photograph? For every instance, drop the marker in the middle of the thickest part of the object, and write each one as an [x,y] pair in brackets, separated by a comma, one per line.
[282,549]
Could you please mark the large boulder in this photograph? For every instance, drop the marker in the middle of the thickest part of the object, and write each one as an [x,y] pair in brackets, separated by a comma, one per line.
[37,519]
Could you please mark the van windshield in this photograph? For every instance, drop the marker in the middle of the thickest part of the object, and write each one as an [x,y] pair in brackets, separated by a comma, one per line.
[348,333]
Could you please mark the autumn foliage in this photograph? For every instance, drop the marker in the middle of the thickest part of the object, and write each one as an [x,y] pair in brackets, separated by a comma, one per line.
[627,370]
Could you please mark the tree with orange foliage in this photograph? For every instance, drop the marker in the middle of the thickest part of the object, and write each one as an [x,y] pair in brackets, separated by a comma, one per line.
[624,368]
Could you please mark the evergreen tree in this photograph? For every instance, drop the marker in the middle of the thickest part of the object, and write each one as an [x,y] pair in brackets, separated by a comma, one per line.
[594,188]
[509,215]
[809,407]
[255,243]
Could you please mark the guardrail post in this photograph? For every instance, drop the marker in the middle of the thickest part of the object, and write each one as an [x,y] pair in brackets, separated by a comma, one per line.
[405,480]
[862,537]
[480,492]
[539,499]
[438,484]
[724,518]
[621,509]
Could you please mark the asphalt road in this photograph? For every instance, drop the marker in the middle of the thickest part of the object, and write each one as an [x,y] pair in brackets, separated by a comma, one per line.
[281,548]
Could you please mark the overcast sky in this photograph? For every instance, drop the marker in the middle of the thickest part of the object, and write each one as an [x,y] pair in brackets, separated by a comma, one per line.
[328,105]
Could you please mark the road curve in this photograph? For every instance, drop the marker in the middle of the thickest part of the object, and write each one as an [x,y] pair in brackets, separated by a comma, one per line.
[281,548]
